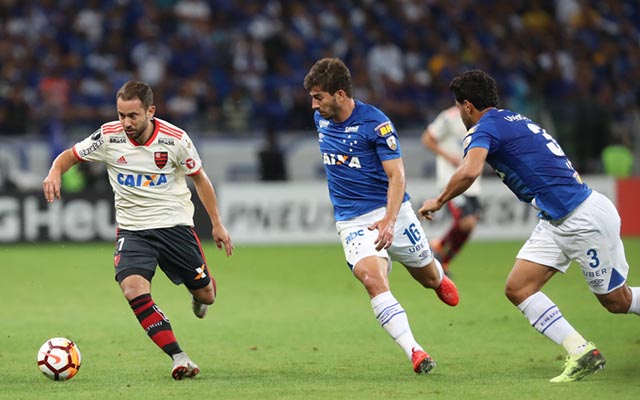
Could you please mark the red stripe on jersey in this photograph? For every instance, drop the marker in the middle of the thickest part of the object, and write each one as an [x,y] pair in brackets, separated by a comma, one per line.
[112,127]
[171,130]
[195,173]
[172,134]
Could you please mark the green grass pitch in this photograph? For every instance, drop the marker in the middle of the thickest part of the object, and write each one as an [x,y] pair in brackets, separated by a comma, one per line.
[292,323]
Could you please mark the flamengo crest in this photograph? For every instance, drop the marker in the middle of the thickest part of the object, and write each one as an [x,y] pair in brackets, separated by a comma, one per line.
[161,158]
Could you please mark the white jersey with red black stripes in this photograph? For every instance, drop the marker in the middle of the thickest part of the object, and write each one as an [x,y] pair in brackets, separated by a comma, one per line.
[148,180]
[449,130]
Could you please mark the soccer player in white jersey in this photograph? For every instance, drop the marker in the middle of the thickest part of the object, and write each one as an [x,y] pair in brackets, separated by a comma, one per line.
[576,223]
[443,137]
[147,160]
[374,218]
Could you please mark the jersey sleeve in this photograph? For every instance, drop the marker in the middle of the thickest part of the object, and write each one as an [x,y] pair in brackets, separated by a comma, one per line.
[477,138]
[386,139]
[93,148]
[188,158]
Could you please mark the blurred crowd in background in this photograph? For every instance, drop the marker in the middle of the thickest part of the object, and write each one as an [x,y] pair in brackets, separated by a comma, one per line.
[235,68]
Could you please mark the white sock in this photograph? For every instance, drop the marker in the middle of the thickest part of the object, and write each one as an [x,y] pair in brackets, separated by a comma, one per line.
[635,301]
[574,343]
[393,319]
[547,319]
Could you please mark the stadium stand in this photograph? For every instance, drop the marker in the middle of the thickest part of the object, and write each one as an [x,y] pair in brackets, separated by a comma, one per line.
[224,70]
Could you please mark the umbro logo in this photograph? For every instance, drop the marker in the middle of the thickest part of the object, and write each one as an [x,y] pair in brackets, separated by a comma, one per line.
[122,160]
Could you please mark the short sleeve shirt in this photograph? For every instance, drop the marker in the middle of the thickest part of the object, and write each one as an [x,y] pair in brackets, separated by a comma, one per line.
[148,180]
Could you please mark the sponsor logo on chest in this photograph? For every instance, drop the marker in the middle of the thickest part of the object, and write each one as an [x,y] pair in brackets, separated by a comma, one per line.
[141,180]
[338,159]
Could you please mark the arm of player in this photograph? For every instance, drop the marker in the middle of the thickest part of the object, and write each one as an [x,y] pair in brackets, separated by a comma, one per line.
[53,182]
[207,196]
[430,142]
[465,175]
[395,194]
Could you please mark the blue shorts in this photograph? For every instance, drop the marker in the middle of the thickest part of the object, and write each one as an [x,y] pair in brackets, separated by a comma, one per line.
[176,250]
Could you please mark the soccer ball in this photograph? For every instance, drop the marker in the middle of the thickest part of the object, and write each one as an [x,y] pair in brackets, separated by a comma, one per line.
[59,359]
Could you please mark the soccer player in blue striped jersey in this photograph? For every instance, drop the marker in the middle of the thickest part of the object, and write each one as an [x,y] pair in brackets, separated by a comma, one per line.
[576,223]
[374,218]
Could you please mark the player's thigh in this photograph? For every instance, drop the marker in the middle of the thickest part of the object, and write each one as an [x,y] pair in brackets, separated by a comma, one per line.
[182,258]
[542,248]
[358,242]
[135,254]
[410,245]
[591,237]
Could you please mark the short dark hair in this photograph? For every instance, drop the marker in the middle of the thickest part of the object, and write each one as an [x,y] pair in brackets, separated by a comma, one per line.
[132,90]
[329,75]
[477,87]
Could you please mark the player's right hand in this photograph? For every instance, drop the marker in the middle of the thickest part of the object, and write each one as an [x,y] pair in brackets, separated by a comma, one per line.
[222,239]
[428,208]
[51,187]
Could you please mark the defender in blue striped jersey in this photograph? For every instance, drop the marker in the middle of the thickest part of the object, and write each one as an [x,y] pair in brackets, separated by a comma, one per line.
[576,223]
[361,153]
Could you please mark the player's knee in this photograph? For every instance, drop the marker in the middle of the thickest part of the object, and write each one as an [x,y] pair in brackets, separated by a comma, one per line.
[467,224]
[206,299]
[616,302]
[210,297]
[206,295]
[616,307]
[514,294]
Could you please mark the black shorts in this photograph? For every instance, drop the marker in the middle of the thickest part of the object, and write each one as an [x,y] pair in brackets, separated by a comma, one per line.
[176,250]
[463,205]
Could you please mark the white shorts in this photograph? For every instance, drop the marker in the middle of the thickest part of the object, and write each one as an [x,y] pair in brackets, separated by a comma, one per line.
[410,245]
[590,235]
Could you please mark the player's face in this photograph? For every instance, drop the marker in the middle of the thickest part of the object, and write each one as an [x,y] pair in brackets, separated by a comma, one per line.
[465,114]
[325,103]
[135,119]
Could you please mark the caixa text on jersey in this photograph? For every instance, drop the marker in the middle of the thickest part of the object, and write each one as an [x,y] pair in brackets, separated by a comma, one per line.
[138,180]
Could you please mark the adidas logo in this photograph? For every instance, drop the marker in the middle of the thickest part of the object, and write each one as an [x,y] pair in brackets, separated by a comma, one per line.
[122,160]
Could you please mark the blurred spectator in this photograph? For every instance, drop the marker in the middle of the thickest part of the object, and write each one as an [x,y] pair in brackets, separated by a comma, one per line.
[151,56]
[248,58]
[236,111]
[182,106]
[15,112]
[271,157]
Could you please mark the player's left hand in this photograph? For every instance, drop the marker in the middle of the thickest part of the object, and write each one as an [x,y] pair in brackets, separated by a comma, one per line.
[222,238]
[385,234]
[428,208]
